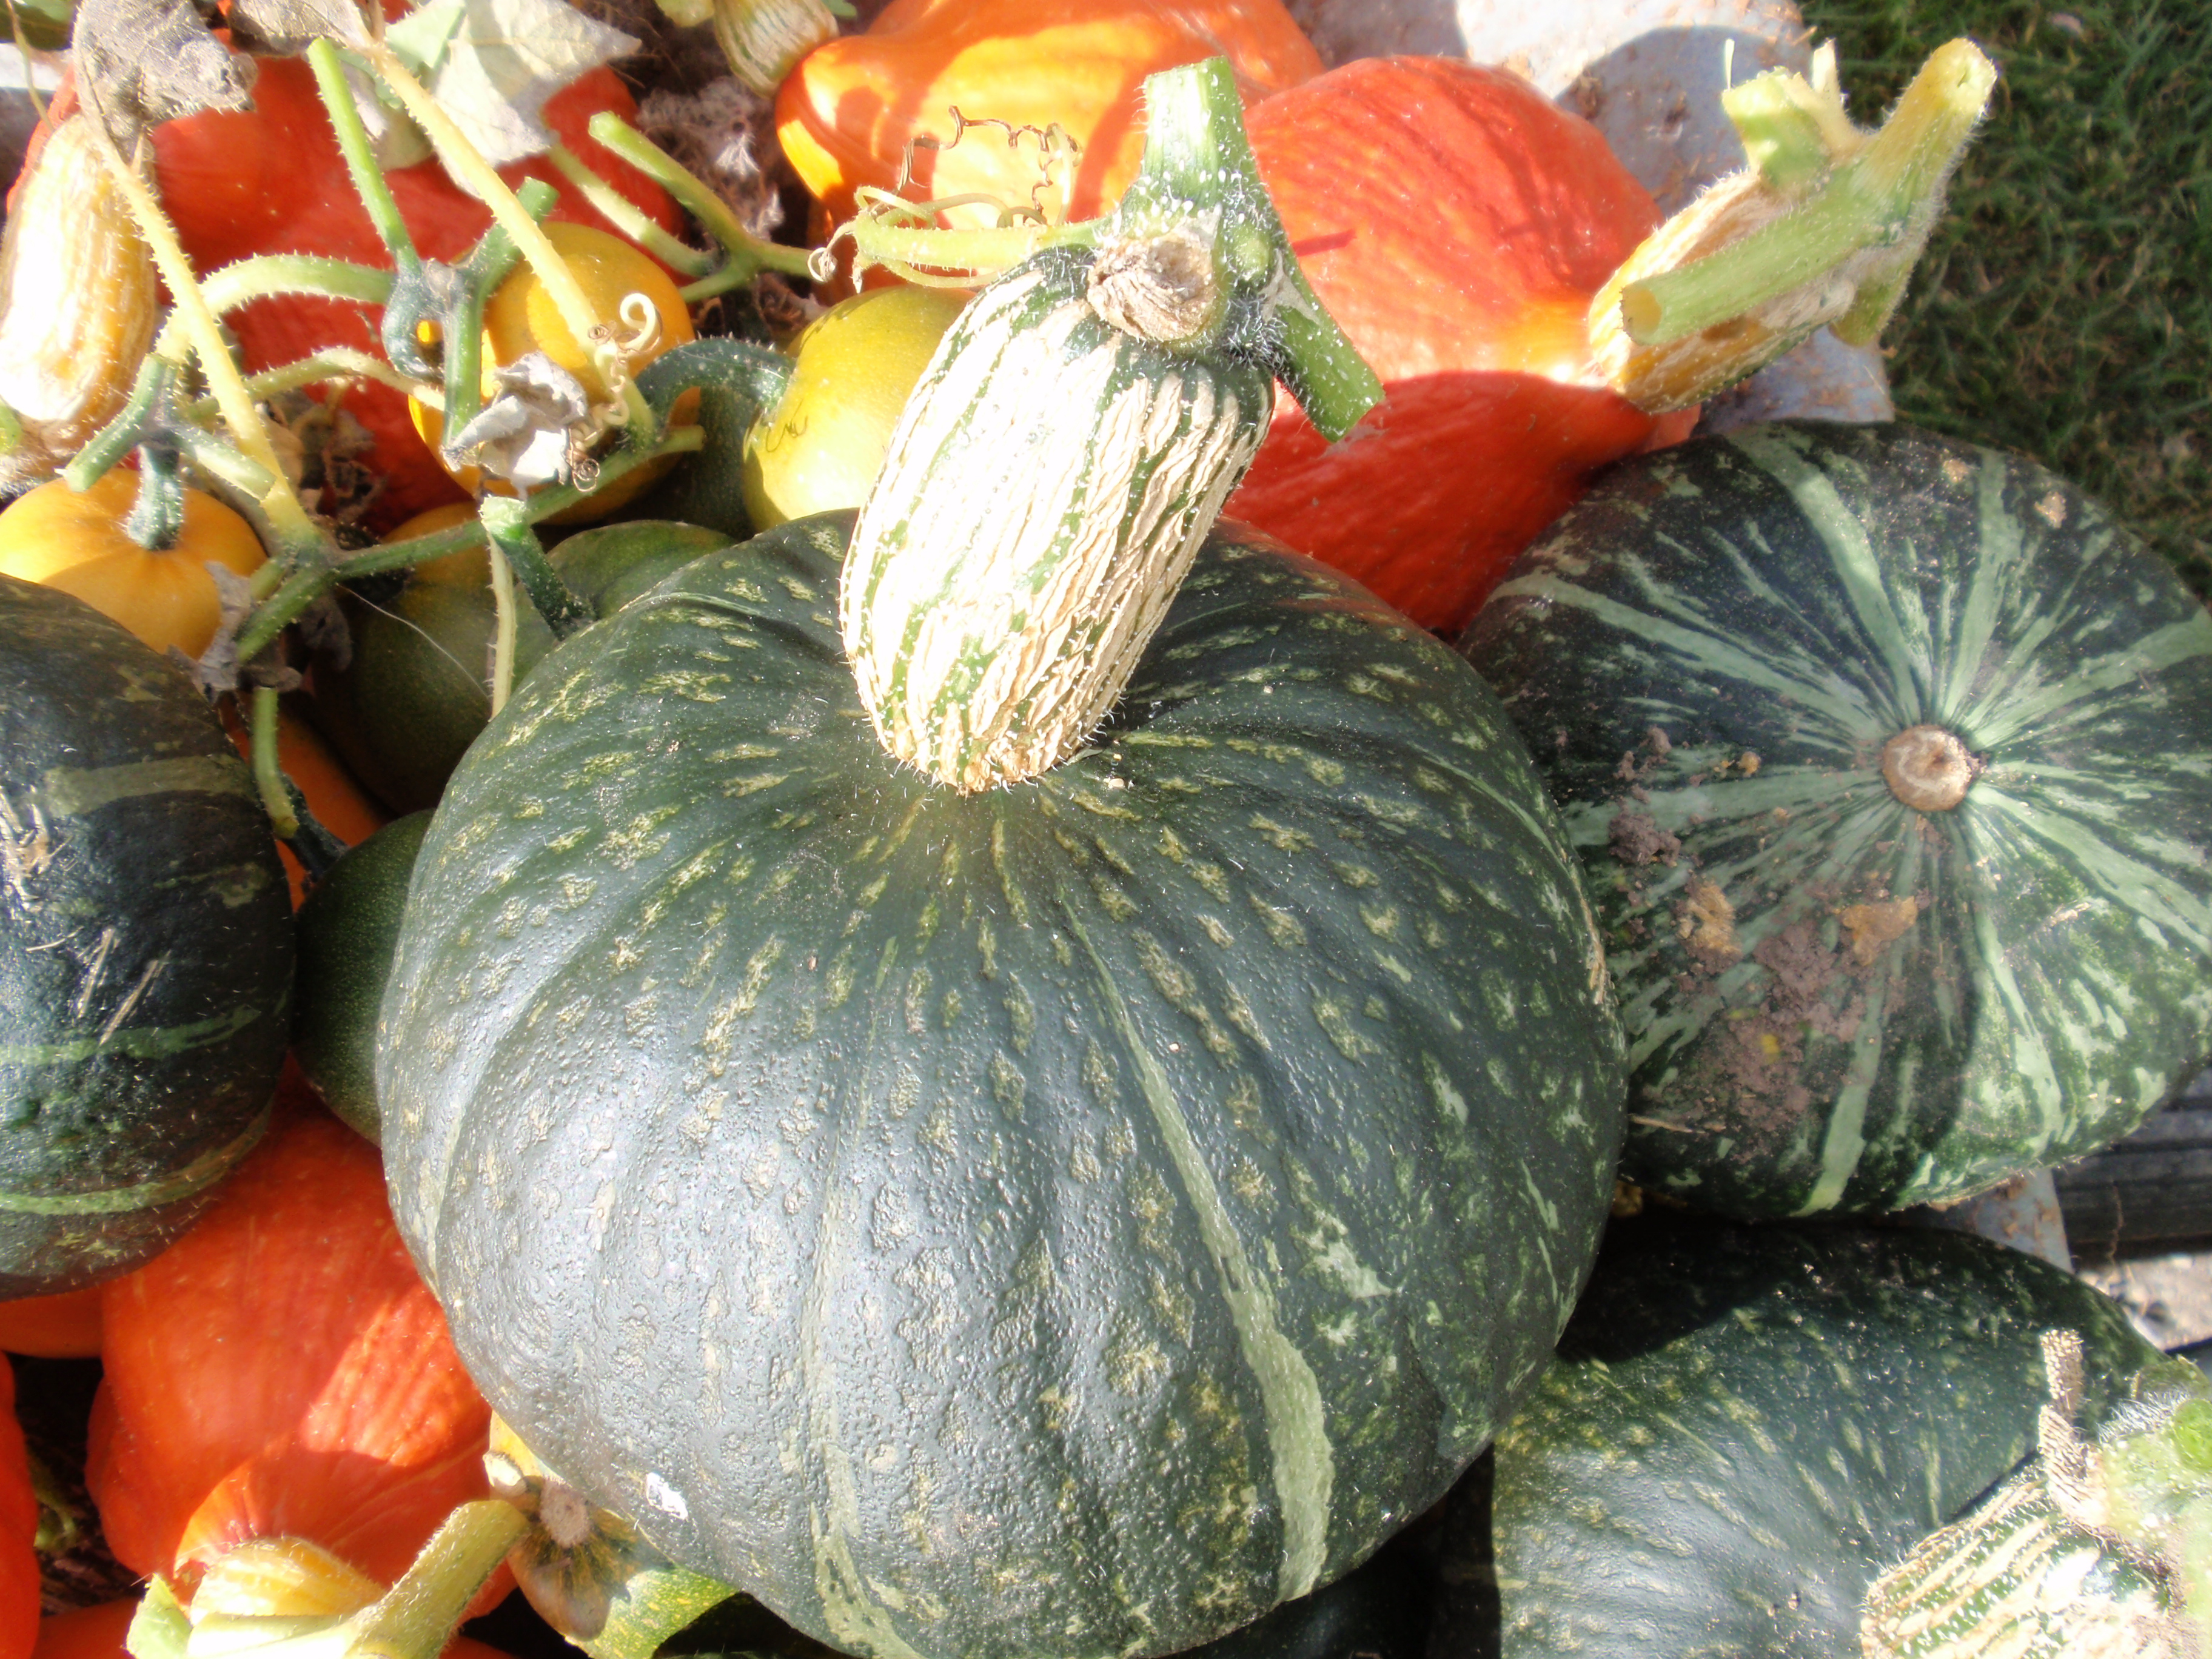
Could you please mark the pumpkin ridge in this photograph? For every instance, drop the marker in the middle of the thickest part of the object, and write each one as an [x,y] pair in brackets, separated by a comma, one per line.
[1297,1431]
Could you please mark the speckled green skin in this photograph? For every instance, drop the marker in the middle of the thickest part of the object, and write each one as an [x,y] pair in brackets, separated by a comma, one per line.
[145,948]
[348,930]
[1744,1427]
[414,690]
[1835,1001]
[1066,1218]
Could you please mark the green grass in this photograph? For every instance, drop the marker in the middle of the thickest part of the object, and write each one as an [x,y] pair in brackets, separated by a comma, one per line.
[2065,307]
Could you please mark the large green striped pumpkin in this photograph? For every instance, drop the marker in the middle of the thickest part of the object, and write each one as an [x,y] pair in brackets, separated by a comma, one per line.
[1889,761]
[145,948]
[1070,1218]
[1747,1427]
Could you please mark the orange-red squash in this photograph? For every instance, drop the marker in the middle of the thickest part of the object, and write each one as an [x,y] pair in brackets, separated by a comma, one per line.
[87,1633]
[847,115]
[1456,224]
[283,1371]
[63,1326]
[18,1526]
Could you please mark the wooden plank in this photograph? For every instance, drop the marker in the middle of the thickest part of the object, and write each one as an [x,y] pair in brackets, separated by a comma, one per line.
[2152,1190]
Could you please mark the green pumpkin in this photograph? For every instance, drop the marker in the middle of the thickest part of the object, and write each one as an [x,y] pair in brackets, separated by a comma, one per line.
[1071,1217]
[1746,1429]
[1889,760]
[145,948]
[348,930]
[414,692]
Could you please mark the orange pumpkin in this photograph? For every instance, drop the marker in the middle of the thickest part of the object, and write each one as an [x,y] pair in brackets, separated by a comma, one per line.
[847,114]
[19,1526]
[1456,225]
[339,803]
[87,1633]
[282,1370]
[63,1326]
[76,542]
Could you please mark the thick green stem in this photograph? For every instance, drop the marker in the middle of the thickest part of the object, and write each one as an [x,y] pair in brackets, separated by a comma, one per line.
[157,515]
[485,267]
[221,462]
[467,164]
[742,250]
[1197,158]
[361,155]
[268,777]
[506,525]
[1783,131]
[1877,196]
[417,1617]
[300,589]
[120,436]
[958,259]
[626,216]
[988,648]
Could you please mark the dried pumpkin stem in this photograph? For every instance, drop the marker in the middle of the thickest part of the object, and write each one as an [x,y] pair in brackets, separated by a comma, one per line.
[360,155]
[1874,198]
[743,251]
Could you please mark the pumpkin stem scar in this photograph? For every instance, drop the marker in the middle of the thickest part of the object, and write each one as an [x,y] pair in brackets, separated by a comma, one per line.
[1297,1433]
[1928,769]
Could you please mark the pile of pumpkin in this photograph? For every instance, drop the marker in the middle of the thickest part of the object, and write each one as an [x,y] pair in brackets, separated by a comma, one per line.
[972,1053]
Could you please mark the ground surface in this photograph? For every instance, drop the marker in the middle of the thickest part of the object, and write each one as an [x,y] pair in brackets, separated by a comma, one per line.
[2063,308]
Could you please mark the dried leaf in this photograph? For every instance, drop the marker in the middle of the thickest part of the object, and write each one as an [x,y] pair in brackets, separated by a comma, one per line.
[493,63]
[216,671]
[140,62]
[537,430]
[283,29]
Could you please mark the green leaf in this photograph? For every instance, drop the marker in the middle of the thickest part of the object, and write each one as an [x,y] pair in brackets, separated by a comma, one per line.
[159,1629]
